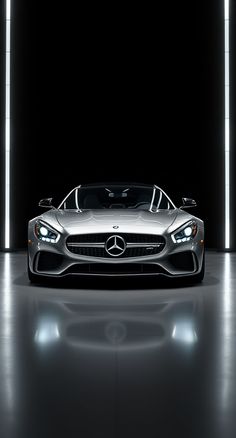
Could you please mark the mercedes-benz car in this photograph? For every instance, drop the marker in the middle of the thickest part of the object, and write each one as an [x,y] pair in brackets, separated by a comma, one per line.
[116,230]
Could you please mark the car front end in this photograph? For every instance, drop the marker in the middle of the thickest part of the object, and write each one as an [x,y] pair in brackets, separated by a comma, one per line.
[98,243]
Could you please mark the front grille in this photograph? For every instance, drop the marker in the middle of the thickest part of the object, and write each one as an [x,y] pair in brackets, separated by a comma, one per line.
[101,252]
[128,237]
[137,245]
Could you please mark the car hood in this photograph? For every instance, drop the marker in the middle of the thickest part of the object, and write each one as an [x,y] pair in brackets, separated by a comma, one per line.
[92,221]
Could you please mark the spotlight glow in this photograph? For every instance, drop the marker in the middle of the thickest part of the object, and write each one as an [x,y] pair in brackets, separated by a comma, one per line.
[7,120]
[47,332]
[227,127]
[185,332]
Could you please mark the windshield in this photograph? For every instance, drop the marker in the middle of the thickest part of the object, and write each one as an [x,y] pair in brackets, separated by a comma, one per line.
[117,197]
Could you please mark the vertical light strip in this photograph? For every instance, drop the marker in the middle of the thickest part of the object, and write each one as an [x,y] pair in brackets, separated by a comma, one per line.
[227,128]
[7,122]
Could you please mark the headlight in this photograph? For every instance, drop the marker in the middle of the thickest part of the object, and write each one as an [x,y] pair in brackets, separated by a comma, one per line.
[185,233]
[46,233]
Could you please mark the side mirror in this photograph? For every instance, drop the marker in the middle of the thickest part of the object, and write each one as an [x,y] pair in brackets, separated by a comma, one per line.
[188,203]
[46,203]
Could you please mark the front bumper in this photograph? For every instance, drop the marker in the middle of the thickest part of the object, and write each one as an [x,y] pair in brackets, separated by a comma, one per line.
[175,260]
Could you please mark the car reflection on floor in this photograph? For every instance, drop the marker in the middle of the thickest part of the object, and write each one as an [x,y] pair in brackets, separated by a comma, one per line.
[109,357]
[65,322]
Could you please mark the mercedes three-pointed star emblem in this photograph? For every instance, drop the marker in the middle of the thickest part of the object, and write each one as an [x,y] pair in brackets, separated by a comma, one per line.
[115,246]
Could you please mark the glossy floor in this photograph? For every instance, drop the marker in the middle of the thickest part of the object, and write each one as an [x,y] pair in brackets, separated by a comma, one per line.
[118,359]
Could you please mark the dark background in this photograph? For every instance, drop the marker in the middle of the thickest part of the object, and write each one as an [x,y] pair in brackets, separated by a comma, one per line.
[118,93]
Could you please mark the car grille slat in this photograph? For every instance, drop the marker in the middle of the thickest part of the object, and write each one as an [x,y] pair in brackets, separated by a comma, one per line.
[93,245]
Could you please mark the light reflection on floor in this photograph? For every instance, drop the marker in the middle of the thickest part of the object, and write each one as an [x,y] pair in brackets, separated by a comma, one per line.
[132,360]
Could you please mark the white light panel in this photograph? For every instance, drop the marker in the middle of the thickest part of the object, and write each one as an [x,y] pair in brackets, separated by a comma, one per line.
[7,121]
[227,127]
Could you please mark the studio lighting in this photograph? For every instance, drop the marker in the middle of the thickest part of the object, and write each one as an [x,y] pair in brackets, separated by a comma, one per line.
[227,126]
[7,120]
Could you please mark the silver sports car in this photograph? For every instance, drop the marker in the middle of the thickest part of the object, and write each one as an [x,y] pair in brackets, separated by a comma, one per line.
[116,230]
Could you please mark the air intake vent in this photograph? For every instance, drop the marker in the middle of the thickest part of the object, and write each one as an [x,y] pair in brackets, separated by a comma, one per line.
[48,261]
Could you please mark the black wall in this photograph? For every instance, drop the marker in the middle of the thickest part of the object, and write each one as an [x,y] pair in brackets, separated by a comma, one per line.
[117,93]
